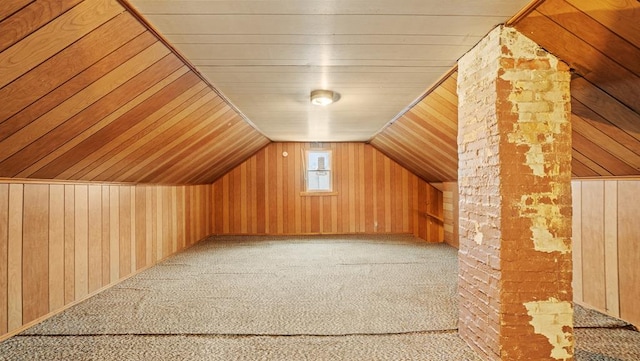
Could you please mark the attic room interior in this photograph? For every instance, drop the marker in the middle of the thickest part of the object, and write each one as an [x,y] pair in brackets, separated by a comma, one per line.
[169,191]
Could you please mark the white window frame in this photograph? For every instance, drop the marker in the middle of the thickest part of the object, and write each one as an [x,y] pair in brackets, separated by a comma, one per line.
[329,168]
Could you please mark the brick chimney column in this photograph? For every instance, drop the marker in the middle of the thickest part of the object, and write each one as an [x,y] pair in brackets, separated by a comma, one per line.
[514,181]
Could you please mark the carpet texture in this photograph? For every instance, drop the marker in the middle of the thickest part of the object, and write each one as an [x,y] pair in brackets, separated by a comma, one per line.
[421,346]
[238,286]
[304,298]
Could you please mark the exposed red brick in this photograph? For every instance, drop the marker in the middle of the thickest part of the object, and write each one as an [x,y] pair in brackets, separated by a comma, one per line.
[515,200]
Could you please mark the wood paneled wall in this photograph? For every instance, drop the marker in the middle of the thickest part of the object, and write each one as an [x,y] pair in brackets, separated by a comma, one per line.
[450,200]
[424,138]
[373,194]
[88,92]
[606,249]
[60,243]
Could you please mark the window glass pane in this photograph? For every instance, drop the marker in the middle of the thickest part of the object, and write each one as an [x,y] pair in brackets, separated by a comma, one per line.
[318,170]
[319,180]
[318,160]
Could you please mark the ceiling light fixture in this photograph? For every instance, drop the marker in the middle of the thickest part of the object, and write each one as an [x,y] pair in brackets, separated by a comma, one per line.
[323,97]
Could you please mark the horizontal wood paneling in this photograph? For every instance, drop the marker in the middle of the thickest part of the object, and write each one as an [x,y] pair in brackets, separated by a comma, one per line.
[83,85]
[373,194]
[60,243]
[606,251]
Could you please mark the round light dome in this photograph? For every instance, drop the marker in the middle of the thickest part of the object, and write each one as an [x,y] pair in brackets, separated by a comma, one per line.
[322,97]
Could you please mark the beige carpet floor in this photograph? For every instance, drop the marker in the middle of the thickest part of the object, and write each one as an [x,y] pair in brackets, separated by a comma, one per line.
[304,298]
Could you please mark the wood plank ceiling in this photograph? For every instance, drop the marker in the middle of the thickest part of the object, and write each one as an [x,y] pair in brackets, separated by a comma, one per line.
[380,55]
[600,40]
[89,93]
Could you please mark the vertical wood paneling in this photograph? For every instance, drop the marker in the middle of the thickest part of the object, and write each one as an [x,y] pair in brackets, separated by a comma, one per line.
[106,235]
[158,223]
[593,244]
[629,250]
[14,287]
[372,194]
[166,220]
[150,234]
[132,230]
[141,227]
[174,219]
[114,233]
[95,237]
[180,220]
[606,251]
[81,250]
[56,246]
[60,243]
[450,211]
[4,240]
[35,255]
[576,224]
[611,248]
[69,244]
[125,231]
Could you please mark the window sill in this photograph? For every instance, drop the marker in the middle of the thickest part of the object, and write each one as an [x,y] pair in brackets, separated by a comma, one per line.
[318,194]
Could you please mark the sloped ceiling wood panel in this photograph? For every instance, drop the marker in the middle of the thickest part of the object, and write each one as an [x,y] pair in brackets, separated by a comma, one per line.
[601,42]
[89,93]
[424,138]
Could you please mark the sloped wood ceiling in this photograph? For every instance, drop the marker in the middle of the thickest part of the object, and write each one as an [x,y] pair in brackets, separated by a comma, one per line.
[600,40]
[87,92]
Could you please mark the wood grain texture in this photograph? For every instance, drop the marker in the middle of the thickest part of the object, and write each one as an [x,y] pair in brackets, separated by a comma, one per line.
[611,271]
[54,81]
[84,86]
[605,247]
[11,6]
[55,36]
[30,19]
[450,198]
[81,236]
[576,239]
[55,239]
[69,244]
[618,15]
[99,134]
[593,244]
[4,241]
[14,256]
[594,38]
[367,199]
[628,251]
[56,246]
[35,255]
[95,238]
[124,231]
[424,138]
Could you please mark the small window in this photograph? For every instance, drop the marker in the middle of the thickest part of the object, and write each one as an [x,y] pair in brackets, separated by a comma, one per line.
[318,176]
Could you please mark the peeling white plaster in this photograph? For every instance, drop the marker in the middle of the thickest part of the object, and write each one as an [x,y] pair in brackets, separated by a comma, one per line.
[478,237]
[544,218]
[554,320]
[535,160]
